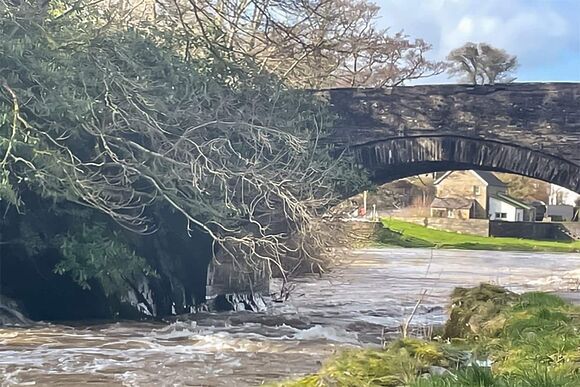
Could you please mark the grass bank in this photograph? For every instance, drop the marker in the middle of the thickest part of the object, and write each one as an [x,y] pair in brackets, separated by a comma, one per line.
[400,233]
[493,338]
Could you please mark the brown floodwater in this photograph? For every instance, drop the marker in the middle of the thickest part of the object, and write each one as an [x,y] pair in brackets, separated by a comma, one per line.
[371,293]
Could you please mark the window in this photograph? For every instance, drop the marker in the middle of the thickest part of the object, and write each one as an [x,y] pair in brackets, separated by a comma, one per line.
[500,215]
[476,190]
[450,213]
[439,213]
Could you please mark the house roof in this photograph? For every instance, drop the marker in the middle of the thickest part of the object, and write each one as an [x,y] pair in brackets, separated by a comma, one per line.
[512,201]
[454,203]
[488,178]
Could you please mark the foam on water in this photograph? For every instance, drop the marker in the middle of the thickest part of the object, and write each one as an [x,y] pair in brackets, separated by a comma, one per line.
[177,330]
[335,334]
[566,281]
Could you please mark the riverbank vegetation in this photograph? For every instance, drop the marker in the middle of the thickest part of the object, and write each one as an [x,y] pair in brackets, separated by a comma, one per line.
[493,338]
[177,132]
[400,233]
[133,150]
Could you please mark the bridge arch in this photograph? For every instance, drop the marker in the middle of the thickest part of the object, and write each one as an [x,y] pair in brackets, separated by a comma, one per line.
[397,157]
[530,129]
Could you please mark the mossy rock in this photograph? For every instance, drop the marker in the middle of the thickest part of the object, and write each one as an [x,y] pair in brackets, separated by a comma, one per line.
[476,311]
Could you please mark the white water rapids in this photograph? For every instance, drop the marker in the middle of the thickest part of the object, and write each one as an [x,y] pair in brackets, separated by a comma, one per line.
[350,306]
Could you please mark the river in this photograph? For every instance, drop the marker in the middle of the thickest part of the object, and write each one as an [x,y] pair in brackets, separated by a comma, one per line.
[356,304]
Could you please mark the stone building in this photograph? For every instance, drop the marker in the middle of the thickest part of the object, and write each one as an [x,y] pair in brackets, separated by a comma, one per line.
[477,195]
[455,208]
[478,186]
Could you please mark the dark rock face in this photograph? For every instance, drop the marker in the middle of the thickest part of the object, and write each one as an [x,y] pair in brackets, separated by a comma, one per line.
[179,258]
[529,129]
[226,277]
[44,295]
[11,313]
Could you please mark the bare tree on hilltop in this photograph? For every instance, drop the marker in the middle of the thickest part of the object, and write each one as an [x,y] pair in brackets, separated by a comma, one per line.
[481,64]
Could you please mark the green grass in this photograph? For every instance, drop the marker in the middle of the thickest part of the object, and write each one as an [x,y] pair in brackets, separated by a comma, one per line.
[480,377]
[530,340]
[400,233]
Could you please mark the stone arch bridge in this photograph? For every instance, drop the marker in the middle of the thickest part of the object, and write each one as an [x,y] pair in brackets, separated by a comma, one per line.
[530,129]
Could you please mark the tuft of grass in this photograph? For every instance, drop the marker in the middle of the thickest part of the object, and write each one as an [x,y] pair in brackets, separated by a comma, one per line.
[400,233]
[426,351]
[392,367]
[543,377]
[467,377]
[540,299]
[484,377]
[540,330]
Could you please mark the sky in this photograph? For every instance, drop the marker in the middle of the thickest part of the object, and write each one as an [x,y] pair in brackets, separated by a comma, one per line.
[544,34]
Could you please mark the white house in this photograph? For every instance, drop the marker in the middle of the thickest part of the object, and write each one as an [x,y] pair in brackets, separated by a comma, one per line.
[479,195]
[561,213]
[563,204]
[506,208]
[562,196]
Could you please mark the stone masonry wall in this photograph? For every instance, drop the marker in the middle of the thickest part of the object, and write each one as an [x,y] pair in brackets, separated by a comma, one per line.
[354,233]
[526,230]
[461,183]
[478,227]
[484,227]
[572,229]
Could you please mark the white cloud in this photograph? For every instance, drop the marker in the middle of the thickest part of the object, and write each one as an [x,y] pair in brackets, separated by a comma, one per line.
[465,26]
